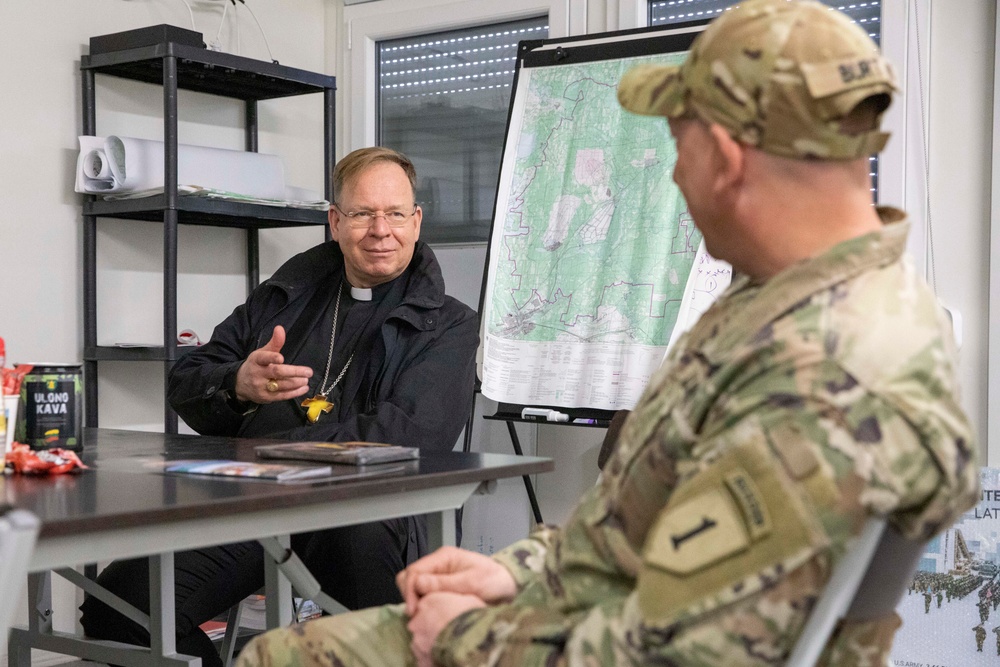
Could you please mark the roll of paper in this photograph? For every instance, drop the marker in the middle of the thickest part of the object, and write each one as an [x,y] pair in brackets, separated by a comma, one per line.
[120,165]
[96,166]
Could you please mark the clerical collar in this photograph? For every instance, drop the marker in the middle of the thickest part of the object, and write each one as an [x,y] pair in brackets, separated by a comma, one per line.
[361,293]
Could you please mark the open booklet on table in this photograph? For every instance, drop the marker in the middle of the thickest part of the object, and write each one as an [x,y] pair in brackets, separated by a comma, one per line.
[351,453]
[228,468]
[283,473]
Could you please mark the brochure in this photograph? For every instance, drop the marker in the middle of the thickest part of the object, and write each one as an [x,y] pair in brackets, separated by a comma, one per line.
[227,468]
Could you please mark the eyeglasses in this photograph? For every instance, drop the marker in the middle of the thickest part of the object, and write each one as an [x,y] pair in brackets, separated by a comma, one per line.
[364,219]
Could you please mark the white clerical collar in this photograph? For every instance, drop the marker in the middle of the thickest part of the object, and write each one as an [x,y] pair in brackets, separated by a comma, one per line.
[361,293]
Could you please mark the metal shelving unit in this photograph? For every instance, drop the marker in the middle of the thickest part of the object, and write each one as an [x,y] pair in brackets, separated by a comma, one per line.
[176,67]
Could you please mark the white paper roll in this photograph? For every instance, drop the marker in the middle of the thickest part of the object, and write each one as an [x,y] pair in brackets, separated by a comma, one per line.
[95,165]
[117,165]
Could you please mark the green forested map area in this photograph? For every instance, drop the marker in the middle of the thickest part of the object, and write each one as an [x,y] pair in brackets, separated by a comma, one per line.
[595,243]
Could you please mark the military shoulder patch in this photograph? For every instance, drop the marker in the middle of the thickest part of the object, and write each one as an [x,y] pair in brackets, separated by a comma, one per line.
[739,517]
[697,533]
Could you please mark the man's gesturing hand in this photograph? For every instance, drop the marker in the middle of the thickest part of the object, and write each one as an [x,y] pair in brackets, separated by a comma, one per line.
[453,570]
[265,378]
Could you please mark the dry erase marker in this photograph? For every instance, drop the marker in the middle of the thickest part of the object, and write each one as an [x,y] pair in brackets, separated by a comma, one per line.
[537,414]
[592,422]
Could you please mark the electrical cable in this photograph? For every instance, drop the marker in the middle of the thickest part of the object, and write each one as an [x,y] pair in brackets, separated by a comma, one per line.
[217,43]
[262,33]
[236,20]
[191,14]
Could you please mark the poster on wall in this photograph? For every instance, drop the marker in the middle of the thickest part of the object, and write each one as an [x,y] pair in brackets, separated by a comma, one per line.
[950,611]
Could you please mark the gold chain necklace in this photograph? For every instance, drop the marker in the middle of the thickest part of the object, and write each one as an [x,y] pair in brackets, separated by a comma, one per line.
[318,403]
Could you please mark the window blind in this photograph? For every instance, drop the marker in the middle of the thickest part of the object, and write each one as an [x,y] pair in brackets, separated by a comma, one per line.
[443,101]
[867,14]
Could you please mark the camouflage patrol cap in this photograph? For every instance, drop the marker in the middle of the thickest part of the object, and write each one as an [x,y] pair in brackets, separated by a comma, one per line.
[777,74]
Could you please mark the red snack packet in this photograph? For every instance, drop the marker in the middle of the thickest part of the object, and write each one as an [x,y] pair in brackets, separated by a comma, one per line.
[54,461]
[12,378]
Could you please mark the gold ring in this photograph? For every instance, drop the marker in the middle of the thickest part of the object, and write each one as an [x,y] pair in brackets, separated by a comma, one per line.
[272,386]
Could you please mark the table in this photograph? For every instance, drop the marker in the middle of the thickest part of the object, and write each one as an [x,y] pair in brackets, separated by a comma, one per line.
[124,507]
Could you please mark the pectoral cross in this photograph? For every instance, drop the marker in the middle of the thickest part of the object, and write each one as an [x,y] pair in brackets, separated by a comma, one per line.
[316,405]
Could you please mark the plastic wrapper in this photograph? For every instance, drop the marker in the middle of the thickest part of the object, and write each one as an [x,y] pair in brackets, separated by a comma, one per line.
[11,378]
[28,461]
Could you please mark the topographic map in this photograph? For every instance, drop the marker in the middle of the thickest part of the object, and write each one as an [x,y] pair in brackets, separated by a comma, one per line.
[592,247]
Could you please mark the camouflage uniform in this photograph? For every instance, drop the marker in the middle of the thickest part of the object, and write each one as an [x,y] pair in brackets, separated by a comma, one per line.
[790,412]
[786,416]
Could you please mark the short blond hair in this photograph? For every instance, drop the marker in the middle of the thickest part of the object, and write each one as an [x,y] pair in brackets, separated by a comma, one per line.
[357,162]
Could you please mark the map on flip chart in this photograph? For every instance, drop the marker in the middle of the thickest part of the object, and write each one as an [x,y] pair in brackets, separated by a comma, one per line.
[592,246]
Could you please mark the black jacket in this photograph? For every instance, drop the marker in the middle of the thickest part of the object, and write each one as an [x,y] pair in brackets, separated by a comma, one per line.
[417,390]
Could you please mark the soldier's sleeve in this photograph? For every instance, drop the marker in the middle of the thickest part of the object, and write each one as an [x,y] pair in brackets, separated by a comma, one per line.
[526,558]
[733,563]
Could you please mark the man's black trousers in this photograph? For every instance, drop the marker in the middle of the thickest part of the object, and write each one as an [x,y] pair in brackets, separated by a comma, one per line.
[355,565]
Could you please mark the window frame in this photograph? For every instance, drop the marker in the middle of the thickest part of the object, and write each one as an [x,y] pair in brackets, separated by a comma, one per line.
[993,323]
[367,24]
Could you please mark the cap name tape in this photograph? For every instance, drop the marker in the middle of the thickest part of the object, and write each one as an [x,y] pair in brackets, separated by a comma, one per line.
[836,77]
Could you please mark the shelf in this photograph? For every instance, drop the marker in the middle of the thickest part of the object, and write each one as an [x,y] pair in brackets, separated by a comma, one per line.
[202,211]
[115,353]
[173,66]
[213,72]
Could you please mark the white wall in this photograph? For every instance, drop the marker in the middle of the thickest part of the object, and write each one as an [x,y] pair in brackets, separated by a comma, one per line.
[960,116]
[40,227]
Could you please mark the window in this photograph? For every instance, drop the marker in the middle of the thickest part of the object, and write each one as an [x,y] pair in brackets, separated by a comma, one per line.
[662,12]
[368,28]
[866,14]
[443,100]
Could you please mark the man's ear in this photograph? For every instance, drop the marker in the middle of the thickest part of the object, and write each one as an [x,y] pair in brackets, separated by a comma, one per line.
[333,217]
[730,159]
[418,217]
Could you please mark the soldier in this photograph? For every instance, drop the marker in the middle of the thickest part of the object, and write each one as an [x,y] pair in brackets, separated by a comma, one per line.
[996,631]
[980,637]
[984,611]
[818,390]
[927,601]
[939,597]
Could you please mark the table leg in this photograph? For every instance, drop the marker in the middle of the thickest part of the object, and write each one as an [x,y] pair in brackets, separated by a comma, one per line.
[277,592]
[162,621]
[40,634]
[39,619]
[441,529]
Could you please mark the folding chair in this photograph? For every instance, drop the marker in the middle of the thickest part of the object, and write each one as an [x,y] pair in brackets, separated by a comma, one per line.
[18,530]
[866,585]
